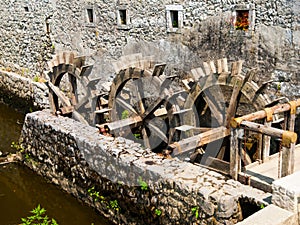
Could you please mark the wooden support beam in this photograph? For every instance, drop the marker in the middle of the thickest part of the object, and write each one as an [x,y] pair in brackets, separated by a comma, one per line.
[288,137]
[120,125]
[262,113]
[235,157]
[238,84]
[191,143]
[65,101]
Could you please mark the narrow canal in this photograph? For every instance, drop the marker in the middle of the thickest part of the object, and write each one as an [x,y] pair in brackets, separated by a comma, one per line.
[21,190]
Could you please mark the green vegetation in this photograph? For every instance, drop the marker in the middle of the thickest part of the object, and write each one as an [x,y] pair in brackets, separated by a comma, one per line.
[195,211]
[17,146]
[114,205]
[95,194]
[158,212]
[143,184]
[262,206]
[124,115]
[38,218]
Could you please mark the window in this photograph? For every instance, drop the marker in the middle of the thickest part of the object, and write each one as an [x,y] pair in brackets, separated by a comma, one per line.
[242,21]
[174,18]
[123,17]
[26,9]
[243,17]
[90,15]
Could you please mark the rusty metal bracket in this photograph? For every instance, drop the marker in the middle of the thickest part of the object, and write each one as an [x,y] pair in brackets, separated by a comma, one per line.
[236,122]
[293,105]
[288,137]
[269,114]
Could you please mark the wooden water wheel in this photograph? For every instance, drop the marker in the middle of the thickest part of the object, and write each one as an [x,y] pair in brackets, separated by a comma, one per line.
[143,105]
[217,94]
[65,71]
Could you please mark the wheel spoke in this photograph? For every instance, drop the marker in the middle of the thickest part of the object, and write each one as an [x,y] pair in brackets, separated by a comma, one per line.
[157,132]
[126,106]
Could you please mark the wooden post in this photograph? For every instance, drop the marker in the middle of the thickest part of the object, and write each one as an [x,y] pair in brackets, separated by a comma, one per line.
[266,143]
[288,151]
[235,159]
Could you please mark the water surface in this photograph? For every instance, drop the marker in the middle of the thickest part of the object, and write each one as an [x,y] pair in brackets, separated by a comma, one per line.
[21,190]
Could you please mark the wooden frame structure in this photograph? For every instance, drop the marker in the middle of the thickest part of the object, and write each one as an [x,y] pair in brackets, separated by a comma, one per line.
[286,135]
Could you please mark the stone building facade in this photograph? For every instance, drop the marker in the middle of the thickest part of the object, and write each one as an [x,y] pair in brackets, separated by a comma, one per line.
[181,33]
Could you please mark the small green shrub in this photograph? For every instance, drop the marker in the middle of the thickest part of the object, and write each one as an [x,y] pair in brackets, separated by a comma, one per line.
[195,211]
[124,115]
[157,212]
[143,184]
[38,218]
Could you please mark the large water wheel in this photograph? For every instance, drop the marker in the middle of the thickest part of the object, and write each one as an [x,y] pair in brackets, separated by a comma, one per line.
[143,104]
[66,71]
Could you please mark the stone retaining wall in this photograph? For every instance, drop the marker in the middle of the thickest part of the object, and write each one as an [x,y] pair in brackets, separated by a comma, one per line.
[23,93]
[127,183]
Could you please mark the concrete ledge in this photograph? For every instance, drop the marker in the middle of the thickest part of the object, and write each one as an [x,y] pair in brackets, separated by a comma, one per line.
[271,215]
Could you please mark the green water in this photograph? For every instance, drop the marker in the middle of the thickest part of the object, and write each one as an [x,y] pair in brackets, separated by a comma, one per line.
[21,189]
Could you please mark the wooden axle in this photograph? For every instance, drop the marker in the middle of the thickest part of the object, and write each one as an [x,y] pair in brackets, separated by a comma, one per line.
[191,143]
[235,122]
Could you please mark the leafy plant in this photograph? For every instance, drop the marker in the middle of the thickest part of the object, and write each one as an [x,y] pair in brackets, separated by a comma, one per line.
[94,194]
[157,212]
[143,184]
[125,114]
[262,206]
[17,146]
[195,211]
[38,218]
[114,205]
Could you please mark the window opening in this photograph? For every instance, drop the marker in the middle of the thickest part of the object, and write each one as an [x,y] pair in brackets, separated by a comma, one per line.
[123,16]
[174,18]
[26,8]
[90,14]
[242,20]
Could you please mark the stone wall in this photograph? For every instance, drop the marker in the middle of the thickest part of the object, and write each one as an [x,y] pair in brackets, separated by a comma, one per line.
[205,32]
[22,93]
[127,183]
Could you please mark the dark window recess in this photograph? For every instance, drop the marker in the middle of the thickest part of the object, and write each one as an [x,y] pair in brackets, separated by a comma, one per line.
[123,17]
[26,9]
[174,18]
[90,14]
[242,20]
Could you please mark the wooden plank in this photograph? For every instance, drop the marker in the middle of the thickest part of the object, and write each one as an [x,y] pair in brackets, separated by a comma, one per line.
[217,165]
[235,160]
[225,65]
[207,68]
[119,125]
[219,66]
[191,143]
[212,67]
[65,101]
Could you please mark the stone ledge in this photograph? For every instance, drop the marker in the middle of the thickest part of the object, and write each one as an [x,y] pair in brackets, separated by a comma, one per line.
[271,215]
